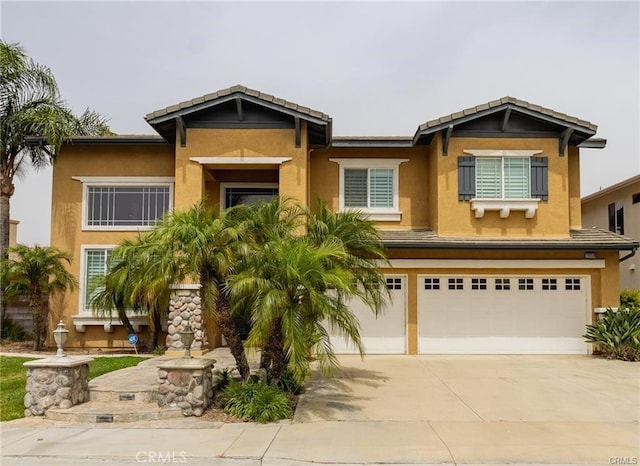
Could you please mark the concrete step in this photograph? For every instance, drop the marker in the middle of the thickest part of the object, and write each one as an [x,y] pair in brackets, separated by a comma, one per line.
[129,395]
[108,412]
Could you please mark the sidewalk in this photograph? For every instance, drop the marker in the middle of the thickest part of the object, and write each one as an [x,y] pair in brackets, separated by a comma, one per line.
[386,410]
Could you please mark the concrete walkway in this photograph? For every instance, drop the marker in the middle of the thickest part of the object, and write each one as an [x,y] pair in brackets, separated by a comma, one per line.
[388,410]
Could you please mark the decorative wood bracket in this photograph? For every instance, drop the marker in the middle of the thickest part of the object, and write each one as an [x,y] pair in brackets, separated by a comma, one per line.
[239,109]
[182,130]
[445,142]
[298,135]
[505,120]
[564,140]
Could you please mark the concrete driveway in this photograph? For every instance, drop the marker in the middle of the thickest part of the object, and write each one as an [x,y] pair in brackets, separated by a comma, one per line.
[480,409]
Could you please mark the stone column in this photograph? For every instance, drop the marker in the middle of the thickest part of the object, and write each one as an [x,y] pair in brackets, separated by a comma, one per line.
[185,306]
[186,384]
[60,382]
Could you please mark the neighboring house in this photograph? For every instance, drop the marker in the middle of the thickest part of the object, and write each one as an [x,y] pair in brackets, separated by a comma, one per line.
[617,209]
[479,211]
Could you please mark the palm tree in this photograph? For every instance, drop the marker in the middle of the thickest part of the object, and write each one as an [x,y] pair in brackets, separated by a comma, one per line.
[296,284]
[361,241]
[201,246]
[30,107]
[37,272]
[130,285]
[296,289]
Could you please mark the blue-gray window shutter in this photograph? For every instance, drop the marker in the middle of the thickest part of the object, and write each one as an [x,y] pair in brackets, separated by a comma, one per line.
[540,178]
[466,178]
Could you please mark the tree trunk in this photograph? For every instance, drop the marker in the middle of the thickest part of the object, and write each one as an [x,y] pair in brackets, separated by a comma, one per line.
[124,318]
[36,306]
[156,325]
[230,333]
[6,191]
[273,355]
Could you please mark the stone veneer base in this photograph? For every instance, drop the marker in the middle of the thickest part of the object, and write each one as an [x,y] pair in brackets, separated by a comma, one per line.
[186,384]
[59,382]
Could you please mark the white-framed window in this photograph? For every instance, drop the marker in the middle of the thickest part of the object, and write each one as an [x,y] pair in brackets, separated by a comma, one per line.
[503,178]
[93,263]
[370,186]
[124,203]
[232,194]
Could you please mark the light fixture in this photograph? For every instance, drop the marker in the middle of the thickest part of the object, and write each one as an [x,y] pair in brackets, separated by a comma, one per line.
[589,255]
[187,336]
[60,337]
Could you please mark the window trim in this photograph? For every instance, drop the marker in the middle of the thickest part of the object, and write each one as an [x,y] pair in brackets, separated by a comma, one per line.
[504,206]
[118,181]
[225,185]
[392,214]
[82,285]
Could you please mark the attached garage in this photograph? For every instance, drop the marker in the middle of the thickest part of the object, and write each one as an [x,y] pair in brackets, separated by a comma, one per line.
[485,314]
[386,333]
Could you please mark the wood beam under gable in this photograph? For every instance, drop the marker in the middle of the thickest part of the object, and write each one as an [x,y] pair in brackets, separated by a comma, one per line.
[445,142]
[182,130]
[298,131]
[505,120]
[564,140]
[239,108]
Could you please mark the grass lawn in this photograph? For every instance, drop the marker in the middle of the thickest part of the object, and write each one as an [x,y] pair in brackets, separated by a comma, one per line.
[13,379]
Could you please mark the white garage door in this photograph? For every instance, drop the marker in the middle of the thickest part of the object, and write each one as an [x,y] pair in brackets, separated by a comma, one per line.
[384,334]
[502,314]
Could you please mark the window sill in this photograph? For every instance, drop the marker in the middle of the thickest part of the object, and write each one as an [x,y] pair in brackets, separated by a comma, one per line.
[505,206]
[378,215]
[82,321]
[119,228]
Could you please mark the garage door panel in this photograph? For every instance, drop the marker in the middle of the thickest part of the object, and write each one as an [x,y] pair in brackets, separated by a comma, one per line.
[382,334]
[502,314]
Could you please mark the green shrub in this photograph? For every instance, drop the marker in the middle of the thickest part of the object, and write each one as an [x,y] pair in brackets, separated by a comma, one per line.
[630,299]
[12,331]
[255,401]
[617,334]
[288,383]
[223,378]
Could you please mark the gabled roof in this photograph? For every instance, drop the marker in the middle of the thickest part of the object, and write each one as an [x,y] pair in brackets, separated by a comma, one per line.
[593,238]
[578,130]
[217,97]
[612,188]
[237,106]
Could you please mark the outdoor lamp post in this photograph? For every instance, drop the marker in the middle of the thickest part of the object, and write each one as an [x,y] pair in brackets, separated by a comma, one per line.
[60,337]
[186,336]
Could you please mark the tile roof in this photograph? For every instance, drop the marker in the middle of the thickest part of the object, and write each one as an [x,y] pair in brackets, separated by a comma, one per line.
[238,89]
[579,239]
[506,101]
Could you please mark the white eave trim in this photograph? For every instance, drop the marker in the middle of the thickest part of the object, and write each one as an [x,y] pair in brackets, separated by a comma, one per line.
[494,264]
[501,153]
[114,180]
[505,206]
[240,160]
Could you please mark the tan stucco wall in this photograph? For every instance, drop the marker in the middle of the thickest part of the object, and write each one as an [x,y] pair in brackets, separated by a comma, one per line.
[595,213]
[413,181]
[456,218]
[13,232]
[66,215]
[193,182]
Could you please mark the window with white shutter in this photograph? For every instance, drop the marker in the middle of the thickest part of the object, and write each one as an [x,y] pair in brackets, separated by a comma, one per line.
[370,186]
[95,265]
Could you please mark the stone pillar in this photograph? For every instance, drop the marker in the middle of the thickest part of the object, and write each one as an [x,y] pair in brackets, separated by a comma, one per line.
[60,382]
[185,305]
[186,384]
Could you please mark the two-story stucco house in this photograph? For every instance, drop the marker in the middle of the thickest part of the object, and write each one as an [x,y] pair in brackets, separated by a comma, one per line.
[617,208]
[479,211]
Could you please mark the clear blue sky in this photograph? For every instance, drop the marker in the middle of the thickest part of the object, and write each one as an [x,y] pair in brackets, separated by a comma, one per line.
[377,68]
